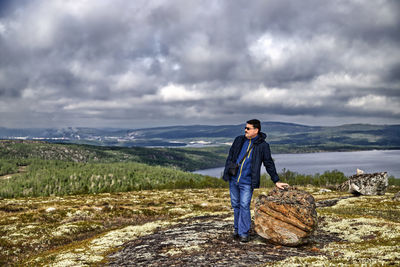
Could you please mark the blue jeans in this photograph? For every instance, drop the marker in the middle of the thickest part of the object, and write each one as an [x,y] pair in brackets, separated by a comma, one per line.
[240,200]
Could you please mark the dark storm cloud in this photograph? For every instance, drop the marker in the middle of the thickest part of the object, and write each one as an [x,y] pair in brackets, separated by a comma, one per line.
[393,73]
[113,63]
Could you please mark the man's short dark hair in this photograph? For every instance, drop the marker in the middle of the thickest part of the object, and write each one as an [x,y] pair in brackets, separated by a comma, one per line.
[256,124]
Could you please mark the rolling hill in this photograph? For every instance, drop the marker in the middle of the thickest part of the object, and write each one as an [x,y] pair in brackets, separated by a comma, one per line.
[331,138]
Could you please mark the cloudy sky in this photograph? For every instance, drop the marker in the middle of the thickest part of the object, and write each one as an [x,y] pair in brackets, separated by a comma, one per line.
[133,64]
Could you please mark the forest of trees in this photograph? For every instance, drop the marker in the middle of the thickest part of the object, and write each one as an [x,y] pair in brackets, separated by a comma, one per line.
[55,177]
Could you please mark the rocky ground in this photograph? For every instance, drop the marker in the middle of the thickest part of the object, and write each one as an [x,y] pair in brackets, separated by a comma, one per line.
[208,241]
[190,228]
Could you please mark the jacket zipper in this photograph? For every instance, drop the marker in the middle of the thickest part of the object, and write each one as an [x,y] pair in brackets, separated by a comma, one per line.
[241,166]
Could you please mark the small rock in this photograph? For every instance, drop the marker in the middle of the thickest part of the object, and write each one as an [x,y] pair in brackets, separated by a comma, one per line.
[368,184]
[315,249]
[50,209]
[324,190]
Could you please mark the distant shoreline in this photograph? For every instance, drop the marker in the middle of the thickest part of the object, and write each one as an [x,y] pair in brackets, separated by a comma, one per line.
[347,162]
[331,151]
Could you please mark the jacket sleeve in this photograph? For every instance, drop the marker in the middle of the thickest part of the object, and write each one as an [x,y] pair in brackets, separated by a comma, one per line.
[269,164]
[229,159]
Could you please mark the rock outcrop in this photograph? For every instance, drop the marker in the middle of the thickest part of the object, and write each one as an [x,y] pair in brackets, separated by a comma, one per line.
[286,217]
[207,241]
[368,184]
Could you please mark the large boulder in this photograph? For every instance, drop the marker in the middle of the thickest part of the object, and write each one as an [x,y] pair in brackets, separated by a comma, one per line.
[368,184]
[285,217]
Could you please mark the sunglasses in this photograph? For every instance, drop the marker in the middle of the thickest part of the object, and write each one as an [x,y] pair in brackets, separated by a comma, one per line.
[248,129]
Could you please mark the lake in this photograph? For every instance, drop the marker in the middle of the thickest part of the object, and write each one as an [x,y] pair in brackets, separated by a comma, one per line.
[346,162]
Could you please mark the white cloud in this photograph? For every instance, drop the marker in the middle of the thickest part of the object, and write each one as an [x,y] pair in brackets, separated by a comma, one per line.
[176,92]
[82,69]
[264,95]
[188,112]
[276,50]
[339,79]
[37,28]
[2,28]
[98,104]
[286,97]
[196,48]
[375,103]
[130,80]
[271,50]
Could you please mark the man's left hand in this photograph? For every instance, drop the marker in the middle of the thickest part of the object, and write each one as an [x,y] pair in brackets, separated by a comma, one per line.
[281,185]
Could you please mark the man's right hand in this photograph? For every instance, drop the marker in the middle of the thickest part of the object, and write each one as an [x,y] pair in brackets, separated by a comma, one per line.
[281,185]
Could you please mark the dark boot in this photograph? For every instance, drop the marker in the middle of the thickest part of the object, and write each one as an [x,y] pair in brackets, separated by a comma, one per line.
[235,235]
[244,238]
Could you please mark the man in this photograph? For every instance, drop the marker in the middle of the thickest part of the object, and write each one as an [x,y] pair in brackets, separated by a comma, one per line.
[248,151]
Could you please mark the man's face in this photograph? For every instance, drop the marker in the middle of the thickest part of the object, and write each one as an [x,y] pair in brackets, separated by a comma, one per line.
[250,132]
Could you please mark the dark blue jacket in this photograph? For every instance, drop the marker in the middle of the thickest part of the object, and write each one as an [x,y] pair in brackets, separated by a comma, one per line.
[244,173]
[261,154]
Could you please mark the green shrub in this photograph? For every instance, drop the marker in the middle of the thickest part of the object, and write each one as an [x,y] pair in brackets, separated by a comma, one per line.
[8,166]
[394,181]
[328,178]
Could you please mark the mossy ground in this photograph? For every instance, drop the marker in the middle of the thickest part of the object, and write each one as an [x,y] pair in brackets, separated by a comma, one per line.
[83,229]
[33,227]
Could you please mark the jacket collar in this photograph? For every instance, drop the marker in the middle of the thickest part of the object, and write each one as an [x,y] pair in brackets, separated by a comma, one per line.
[259,140]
